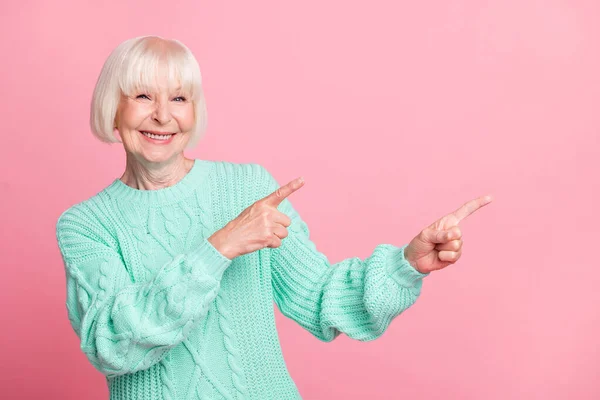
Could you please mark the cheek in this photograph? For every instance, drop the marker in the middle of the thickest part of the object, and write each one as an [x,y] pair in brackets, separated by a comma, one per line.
[132,116]
[185,117]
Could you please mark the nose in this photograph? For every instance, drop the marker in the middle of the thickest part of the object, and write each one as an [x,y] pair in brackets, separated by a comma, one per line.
[161,113]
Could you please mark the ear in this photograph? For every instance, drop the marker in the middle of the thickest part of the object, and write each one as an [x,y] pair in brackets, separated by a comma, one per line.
[116,132]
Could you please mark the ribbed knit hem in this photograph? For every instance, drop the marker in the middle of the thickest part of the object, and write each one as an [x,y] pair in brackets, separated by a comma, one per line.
[206,259]
[400,269]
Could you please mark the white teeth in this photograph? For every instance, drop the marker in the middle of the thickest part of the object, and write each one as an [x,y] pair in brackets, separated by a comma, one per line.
[159,137]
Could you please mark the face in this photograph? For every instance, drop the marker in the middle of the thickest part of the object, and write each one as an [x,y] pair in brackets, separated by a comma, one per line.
[145,121]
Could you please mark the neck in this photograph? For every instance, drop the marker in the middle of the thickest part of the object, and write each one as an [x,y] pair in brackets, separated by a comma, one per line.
[144,175]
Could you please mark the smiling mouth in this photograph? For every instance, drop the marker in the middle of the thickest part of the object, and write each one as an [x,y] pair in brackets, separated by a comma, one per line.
[157,135]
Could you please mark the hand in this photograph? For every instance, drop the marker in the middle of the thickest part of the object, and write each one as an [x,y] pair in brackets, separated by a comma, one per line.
[440,244]
[258,226]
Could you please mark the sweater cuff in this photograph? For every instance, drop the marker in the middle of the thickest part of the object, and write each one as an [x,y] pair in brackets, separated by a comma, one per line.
[401,271]
[206,259]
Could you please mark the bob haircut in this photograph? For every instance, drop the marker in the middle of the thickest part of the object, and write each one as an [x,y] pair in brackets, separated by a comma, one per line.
[132,68]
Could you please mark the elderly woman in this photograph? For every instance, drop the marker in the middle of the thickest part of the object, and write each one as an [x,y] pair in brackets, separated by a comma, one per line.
[173,268]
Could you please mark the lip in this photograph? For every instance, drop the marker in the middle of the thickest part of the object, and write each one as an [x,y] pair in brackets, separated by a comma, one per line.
[158,141]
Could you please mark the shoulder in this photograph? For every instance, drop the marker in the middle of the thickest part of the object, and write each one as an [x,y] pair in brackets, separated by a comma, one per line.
[87,210]
[84,222]
[253,177]
[232,169]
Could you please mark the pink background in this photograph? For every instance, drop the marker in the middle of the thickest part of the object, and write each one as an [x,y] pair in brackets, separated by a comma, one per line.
[396,113]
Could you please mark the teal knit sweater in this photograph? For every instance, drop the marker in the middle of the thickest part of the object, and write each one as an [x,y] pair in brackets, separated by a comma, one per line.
[163,315]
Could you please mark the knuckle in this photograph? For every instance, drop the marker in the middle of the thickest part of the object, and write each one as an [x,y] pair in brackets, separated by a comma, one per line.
[284,219]
[267,236]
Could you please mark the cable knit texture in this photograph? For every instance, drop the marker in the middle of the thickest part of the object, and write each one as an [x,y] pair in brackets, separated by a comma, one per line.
[163,315]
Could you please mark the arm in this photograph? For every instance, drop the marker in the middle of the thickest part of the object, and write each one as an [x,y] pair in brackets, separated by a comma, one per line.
[124,326]
[357,297]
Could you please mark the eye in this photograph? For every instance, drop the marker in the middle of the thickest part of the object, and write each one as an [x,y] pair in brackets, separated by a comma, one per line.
[180,97]
[140,96]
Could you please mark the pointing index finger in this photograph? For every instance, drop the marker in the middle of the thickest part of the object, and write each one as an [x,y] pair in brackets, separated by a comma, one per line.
[284,191]
[471,206]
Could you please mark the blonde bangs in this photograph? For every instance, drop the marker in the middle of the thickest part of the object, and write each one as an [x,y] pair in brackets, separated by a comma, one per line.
[145,64]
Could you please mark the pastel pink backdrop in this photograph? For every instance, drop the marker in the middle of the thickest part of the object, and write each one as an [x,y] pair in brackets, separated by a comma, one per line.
[395,113]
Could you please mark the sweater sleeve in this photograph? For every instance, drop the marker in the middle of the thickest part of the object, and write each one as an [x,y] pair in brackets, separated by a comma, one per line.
[356,297]
[125,326]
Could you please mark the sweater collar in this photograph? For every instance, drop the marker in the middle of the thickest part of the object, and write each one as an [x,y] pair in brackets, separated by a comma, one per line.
[120,191]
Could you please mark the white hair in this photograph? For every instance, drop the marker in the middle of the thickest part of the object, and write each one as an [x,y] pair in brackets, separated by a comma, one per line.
[132,67]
